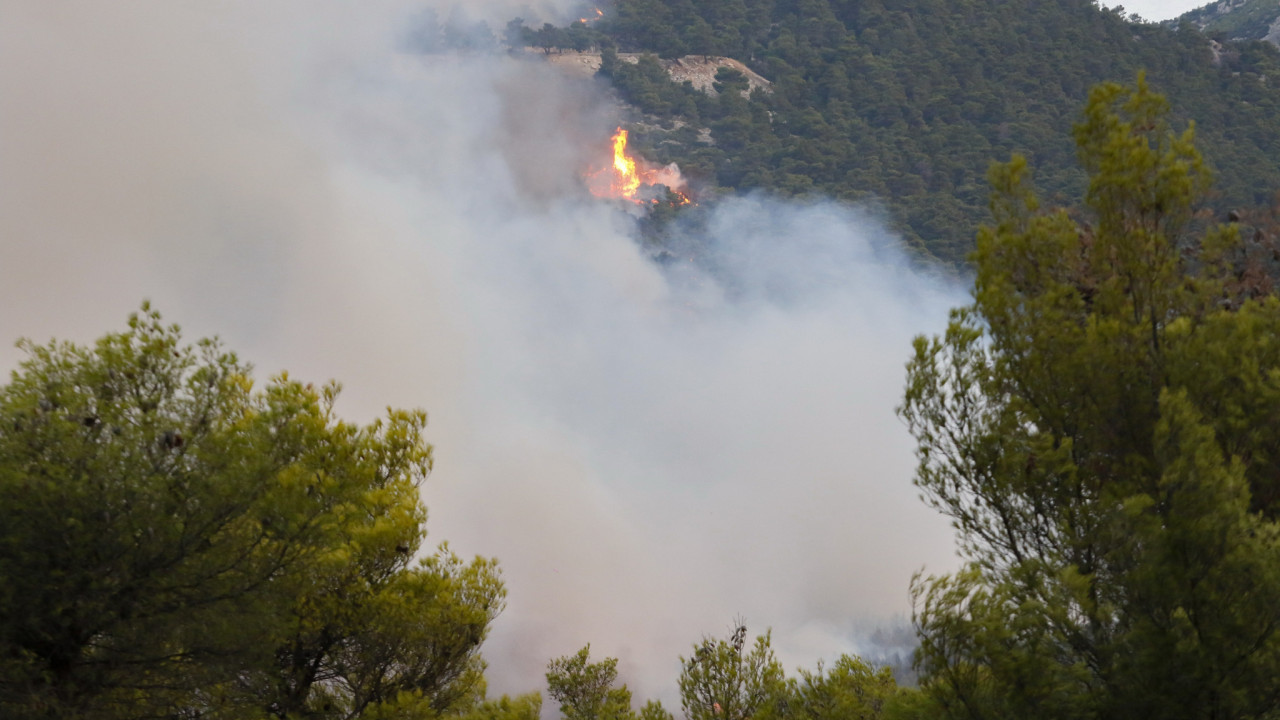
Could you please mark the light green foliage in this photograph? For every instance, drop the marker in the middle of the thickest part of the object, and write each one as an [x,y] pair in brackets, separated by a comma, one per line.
[585,689]
[1100,424]
[653,710]
[175,541]
[521,707]
[725,681]
[850,689]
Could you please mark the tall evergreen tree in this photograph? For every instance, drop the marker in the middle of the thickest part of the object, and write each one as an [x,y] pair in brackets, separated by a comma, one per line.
[177,543]
[1100,424]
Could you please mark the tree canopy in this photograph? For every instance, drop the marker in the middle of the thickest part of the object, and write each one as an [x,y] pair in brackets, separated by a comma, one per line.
[1100,425]
[177,542]
[726,680]
[585,690]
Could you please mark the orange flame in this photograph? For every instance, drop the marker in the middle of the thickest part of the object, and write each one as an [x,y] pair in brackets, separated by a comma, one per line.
[628,182]
[626,176]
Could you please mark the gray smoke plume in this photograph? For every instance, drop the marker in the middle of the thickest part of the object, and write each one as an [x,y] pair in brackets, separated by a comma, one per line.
[649,448]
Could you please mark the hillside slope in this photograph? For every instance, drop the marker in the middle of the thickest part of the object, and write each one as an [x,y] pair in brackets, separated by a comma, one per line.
[907,103]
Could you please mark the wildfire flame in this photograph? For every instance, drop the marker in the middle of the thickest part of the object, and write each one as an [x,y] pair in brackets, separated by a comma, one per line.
[624,168]
[599,14]
[627,177]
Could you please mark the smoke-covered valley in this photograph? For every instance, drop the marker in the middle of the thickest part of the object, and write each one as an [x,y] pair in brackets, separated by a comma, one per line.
[648,448]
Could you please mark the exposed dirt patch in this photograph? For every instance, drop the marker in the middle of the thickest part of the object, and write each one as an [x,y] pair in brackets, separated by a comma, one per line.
[699,70]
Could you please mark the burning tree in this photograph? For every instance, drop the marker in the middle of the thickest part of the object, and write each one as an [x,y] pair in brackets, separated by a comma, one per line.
[635,180]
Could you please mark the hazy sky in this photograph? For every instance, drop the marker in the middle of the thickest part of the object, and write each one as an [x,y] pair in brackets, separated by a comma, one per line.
[1158,9]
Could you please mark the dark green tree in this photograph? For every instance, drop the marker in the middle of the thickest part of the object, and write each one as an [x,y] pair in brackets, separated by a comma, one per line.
[549,37]
[175,542]
[1100,426]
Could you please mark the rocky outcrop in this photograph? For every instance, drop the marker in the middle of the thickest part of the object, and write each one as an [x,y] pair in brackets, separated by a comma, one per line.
[700,70]
[1239,19]
[1273,32]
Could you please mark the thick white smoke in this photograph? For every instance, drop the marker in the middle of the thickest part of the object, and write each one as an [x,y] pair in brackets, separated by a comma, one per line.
[650,449]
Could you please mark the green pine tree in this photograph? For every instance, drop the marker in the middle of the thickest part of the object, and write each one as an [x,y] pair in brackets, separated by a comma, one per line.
[1100,425]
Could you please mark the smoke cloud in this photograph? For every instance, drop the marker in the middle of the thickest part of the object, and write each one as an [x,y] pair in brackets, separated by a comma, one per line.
[649,448]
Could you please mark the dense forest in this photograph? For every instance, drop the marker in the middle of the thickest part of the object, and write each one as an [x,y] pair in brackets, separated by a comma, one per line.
[907,103]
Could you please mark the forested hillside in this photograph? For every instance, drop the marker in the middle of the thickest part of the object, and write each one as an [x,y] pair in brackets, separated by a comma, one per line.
[909,102]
